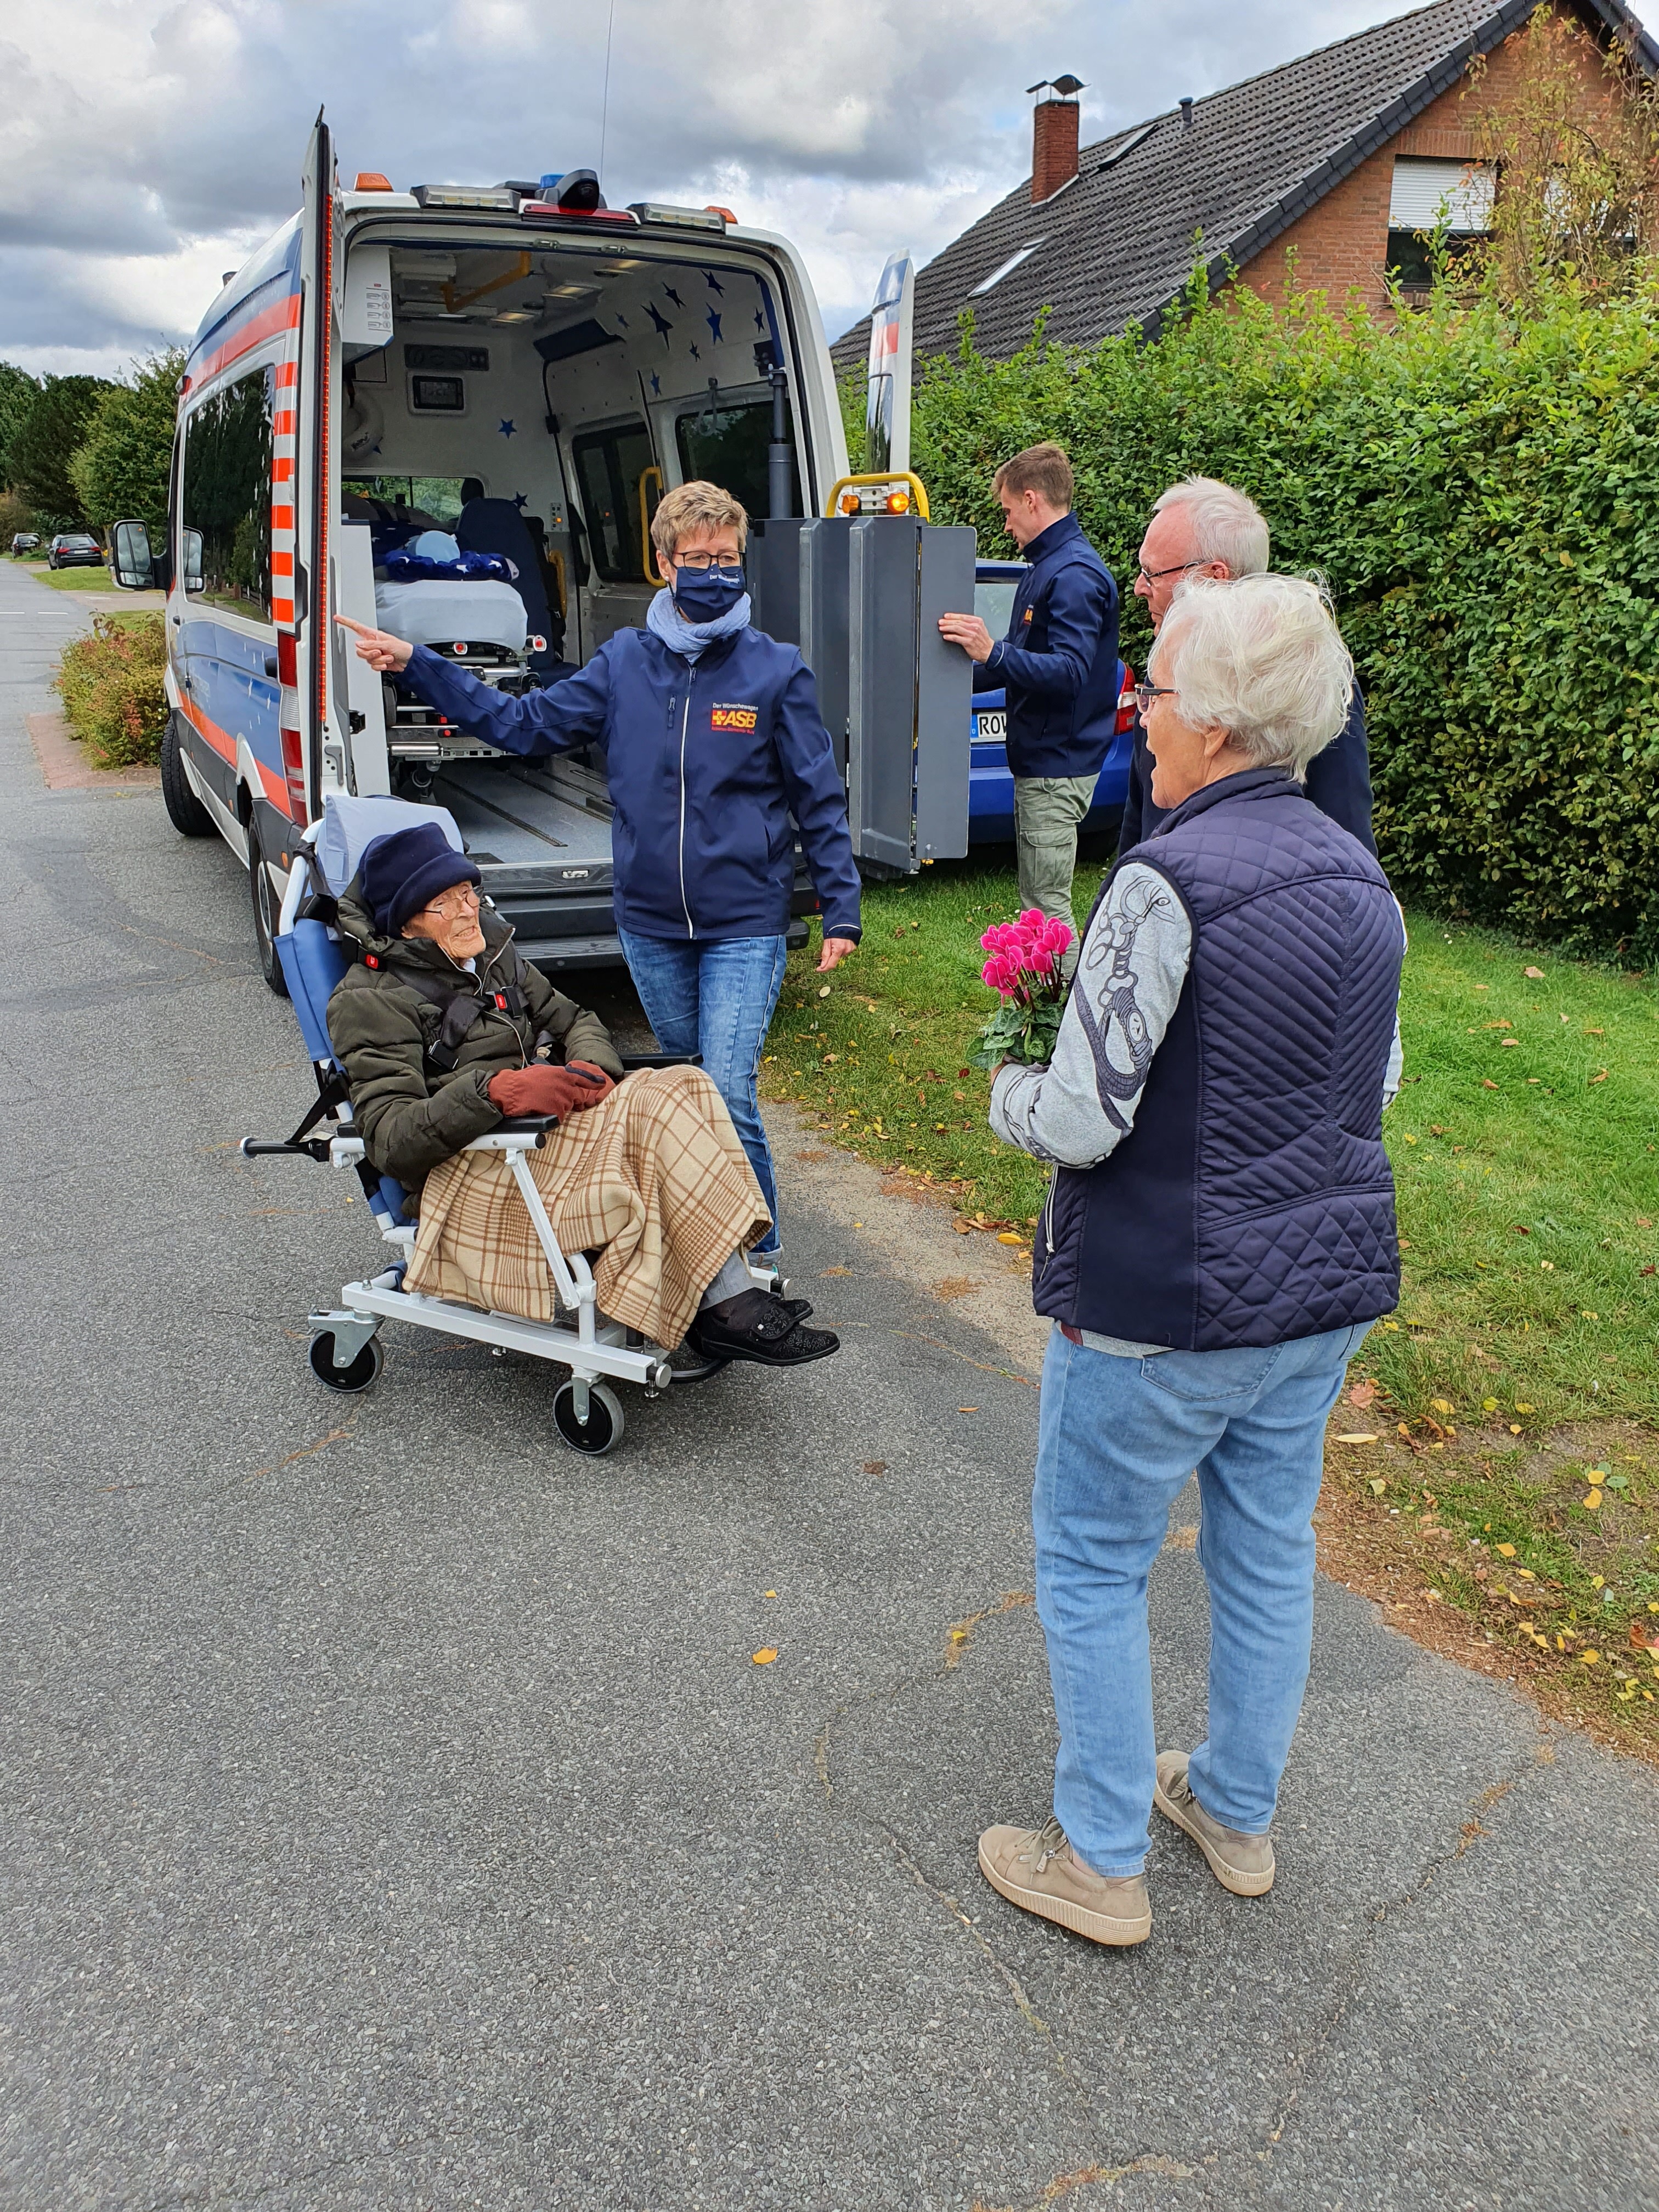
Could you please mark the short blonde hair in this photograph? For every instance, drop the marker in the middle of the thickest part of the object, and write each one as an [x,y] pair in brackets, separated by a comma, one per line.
[693,507]
[1041,469]
[1262,658]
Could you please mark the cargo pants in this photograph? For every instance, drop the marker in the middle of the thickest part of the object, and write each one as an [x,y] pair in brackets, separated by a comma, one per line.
[1047,810]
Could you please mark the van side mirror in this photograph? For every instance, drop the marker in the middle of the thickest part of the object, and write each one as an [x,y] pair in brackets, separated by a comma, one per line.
[131,564]
[189,547]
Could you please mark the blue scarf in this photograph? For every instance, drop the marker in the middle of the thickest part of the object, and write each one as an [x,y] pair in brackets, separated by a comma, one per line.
[664,619]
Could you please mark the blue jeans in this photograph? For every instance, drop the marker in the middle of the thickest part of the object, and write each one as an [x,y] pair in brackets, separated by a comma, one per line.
[717,997]
[1117,1438]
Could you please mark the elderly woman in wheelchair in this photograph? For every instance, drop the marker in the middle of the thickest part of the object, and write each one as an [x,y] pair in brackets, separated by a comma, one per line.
[445,1035]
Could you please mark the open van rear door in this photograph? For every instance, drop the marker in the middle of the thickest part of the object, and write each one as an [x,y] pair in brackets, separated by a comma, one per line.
[315,723]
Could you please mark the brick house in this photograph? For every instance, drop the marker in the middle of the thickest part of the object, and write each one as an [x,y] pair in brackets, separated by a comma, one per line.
[1339,157]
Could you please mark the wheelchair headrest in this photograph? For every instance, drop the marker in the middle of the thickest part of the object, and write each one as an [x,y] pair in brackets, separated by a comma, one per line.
[349,825]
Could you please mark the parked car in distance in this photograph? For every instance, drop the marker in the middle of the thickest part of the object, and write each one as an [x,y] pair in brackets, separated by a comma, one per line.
[75,548]
[990,785]
[24,541]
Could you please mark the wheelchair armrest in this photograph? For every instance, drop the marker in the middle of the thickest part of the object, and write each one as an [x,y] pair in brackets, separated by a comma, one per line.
[630,1061]
[525,1125]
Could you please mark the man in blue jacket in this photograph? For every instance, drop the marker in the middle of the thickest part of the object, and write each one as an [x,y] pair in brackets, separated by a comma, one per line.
[1201,527]
[713,739]
[1058,667]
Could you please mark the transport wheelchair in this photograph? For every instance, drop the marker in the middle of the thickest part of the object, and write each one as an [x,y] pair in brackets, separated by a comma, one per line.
[345,1353]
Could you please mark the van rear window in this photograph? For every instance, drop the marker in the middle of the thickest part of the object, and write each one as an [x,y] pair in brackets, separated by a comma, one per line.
[608,466]
[727,445]
[225,497]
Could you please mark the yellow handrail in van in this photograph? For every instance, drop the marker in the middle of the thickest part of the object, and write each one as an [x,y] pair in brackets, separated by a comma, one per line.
[651,575]
[918,490]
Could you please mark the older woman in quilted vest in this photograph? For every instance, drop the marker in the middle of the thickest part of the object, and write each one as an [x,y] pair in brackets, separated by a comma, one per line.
[1218,1237]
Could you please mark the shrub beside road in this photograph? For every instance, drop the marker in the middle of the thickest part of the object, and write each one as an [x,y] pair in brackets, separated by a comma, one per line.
[111,682]
[1526,1145]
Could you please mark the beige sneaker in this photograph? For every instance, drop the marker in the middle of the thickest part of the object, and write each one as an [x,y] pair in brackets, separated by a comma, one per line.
[1242,1864]
[1038,1870]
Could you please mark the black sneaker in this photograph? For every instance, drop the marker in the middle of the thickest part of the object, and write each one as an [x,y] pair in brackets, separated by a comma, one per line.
[757,1326]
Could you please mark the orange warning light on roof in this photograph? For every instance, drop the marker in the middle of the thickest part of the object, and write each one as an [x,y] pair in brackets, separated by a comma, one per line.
[371,180]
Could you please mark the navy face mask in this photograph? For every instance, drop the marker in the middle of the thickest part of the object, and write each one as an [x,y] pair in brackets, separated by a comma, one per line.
[704,595]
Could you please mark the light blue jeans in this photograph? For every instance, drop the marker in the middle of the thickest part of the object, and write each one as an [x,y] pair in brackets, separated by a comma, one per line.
[1117,1438]
[717,997]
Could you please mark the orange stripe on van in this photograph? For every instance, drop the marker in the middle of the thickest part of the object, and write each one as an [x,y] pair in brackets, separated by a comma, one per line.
[274,787]
[281,564]
[288,372]
[283,421]
[281,470]
[280,315]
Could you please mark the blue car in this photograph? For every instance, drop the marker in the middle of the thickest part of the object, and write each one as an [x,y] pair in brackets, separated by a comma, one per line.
[990,785]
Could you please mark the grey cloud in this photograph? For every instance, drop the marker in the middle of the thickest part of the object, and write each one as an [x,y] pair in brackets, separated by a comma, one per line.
[877,122]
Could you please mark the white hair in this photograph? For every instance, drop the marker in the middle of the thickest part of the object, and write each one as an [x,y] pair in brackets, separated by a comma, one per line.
[1225,525]
[1262,659]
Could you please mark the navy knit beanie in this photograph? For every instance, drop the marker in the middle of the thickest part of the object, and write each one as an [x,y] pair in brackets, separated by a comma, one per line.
[401,873]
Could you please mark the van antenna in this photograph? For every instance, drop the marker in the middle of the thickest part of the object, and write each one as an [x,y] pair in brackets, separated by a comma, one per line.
[605,101]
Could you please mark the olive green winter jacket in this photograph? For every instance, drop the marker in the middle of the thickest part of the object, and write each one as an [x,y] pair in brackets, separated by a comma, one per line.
[412,1113]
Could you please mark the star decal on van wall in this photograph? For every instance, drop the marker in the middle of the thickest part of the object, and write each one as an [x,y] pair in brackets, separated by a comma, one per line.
[673,295]
[656,385]
[509,428]
[694,354]
[714,283]
[661,321]
[519,501]
[714,326]
[760,320]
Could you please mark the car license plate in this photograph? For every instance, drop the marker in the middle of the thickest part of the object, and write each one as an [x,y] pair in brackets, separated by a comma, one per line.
[992,728]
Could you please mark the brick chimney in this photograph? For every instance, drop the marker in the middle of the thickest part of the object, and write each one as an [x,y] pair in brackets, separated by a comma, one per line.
[1053,135]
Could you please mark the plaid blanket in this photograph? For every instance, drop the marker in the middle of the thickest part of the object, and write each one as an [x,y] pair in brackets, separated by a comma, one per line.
[654,1179]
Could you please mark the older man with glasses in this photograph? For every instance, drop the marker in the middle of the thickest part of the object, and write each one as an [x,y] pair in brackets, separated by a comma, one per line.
[1202,527]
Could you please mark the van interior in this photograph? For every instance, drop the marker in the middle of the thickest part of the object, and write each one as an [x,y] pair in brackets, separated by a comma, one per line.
[532,404]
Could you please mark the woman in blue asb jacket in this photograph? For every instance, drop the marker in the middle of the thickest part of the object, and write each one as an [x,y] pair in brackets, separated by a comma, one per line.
[714,739]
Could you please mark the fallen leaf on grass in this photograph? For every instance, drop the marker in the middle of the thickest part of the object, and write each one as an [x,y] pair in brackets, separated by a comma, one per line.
[1602,1078]
[765,1655]
[1487,1084]
[1592,1501]
[1009,1236]
[1513,1040]
[1589,1658]
[1363,1393]
[1535,974]
[1378,1486]
[1505,1551]
[1358,1436]
[1443,1405]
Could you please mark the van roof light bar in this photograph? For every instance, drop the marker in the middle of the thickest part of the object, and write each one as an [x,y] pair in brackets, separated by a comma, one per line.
[463,195]
[679,218]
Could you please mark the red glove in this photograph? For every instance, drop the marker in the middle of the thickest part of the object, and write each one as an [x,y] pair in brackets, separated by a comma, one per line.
[561,1091]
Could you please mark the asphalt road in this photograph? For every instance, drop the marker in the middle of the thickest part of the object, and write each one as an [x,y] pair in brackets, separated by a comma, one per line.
[392,1815]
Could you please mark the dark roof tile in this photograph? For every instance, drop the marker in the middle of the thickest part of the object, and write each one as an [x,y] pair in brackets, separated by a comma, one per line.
[1119,241]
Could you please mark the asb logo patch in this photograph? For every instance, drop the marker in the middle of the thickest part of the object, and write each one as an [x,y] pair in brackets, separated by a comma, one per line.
[734,718]
[1028,612]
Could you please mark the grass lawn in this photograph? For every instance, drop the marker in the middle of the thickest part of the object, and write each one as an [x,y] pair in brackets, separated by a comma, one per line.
[1526,1145]
[69,579]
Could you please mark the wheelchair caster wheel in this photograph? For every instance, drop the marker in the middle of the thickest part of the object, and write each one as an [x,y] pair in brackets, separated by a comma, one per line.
[361,1372]
[603,1426]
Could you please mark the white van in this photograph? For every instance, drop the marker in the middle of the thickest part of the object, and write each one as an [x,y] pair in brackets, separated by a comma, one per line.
[525,370]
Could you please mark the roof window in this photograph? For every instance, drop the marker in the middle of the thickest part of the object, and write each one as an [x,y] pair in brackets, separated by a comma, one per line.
[1006,267]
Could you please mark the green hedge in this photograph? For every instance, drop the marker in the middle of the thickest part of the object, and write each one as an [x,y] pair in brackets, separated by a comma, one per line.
[110,684]
[1482,492]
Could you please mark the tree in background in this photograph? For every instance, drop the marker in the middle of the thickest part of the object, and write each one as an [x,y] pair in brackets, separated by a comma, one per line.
[18,392]
[121,466]
[1578,197]
[41,447]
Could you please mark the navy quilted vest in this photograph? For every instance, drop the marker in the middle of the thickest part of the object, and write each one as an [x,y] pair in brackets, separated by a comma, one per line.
[1252,1202]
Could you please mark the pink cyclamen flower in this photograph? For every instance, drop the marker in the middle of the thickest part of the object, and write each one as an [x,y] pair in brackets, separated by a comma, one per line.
[1041,960]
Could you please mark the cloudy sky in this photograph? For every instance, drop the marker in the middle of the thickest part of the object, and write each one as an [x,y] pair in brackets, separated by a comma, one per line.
[149,145]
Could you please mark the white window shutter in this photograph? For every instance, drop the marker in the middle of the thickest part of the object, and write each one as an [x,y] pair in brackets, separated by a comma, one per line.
[1422,187]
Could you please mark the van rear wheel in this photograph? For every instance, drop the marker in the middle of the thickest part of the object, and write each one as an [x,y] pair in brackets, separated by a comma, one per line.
[185,809]
[267,913]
